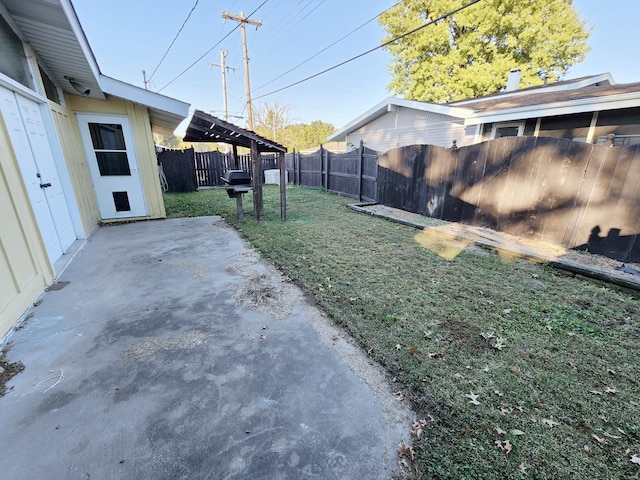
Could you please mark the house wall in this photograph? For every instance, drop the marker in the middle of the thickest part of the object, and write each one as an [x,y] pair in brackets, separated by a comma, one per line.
[69,136]
[24,267]
[409,127]
[145,149]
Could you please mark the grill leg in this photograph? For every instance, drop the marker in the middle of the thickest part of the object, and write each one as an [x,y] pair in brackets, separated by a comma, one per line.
[239,206]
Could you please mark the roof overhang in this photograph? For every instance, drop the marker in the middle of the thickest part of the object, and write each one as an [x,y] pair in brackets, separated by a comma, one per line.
[165,113]
[52,29]
[392,104]
[593,80]
[207,128]
[582,105]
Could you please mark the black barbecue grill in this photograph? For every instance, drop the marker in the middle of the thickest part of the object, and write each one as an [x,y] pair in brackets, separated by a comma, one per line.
[237,183]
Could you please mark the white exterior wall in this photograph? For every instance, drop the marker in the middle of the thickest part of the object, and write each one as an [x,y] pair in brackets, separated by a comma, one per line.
[409,127]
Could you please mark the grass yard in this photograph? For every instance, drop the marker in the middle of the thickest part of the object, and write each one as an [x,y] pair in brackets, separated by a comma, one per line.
[514,370]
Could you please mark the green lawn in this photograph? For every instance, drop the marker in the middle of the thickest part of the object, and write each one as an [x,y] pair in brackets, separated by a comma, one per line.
[553,359]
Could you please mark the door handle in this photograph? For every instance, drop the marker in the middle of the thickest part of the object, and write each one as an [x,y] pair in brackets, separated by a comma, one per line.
[45,185]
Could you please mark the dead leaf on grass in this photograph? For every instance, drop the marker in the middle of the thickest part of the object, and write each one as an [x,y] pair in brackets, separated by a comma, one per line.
[500,431]
[550,421]
[418,428]
[436,355]
[600,440]
[505,446]
[522,468]
[399,396]
[517,432]
[610,391]
[413,351]
[596,392]
[406,451]
[473,398]
[398,346]
[500,343]
[498,393]
[635,459]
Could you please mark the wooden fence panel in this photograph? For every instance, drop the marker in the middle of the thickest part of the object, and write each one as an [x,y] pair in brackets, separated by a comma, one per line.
[572,194]
[310,171]
[179,170]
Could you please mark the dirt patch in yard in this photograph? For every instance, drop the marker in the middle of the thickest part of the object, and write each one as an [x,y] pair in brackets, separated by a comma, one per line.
[260,293]
[147,348]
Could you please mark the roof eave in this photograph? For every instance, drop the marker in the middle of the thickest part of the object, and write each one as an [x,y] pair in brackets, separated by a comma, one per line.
[164,112]
[582,105]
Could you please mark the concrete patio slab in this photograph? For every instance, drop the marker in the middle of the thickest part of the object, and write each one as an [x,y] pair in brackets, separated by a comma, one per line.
[168,349]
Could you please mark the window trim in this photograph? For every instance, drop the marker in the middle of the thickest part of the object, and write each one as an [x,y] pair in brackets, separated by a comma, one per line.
[496,126]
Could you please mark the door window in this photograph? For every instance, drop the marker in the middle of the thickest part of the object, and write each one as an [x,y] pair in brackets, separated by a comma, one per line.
[110,148]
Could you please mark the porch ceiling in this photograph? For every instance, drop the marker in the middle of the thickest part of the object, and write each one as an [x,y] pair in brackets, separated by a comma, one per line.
[46,26]
[207,128]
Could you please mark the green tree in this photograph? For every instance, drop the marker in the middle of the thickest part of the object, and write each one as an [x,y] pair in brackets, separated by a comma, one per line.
[471,53]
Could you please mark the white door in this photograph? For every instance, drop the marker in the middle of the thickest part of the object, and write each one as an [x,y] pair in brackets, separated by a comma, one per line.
[108,143]
[31,146]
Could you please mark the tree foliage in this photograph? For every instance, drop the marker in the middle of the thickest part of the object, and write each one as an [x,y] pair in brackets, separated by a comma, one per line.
[273,121]
[471,53]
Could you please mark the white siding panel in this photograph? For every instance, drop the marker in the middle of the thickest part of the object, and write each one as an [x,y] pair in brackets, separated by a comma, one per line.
[441,134]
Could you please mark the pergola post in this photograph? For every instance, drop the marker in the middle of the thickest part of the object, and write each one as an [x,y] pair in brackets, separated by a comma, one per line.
[257,179]
[283,186]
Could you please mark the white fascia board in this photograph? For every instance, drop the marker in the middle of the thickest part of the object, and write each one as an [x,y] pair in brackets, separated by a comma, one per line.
[391,104]
[144,97]
[611,102]
[81,37]
[603,77]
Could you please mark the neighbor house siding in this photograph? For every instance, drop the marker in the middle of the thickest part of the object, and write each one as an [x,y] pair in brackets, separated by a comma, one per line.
[24,267]
[408,127]
[145,149]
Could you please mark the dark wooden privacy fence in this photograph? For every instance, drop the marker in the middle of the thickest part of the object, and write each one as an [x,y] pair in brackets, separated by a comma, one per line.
[178,170]
[353,174]
[572,194]
[187,170]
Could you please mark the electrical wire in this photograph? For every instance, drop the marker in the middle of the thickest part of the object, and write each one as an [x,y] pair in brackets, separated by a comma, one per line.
[328,46]
[399,37]
[209,51]
[174,40]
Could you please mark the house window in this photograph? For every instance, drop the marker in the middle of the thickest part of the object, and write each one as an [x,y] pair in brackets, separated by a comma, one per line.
[50,88]
[511,129]
[13,61]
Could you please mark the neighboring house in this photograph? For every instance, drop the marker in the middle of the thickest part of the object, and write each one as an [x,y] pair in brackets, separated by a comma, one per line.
[76,148]
[584,109]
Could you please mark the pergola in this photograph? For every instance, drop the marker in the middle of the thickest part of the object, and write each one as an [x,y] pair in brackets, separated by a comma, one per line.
[207,128]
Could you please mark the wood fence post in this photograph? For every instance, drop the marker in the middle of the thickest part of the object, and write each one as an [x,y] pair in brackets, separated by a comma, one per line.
[322,169]
[361,150]
[257,179]
[283,187]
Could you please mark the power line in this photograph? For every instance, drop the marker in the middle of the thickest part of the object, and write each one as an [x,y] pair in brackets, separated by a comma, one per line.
[172,42]
[442,17]
[208,51]
[328,46]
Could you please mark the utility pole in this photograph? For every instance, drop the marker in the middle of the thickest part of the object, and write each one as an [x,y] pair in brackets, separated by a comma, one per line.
[144,79]
[224,68]
[243,21]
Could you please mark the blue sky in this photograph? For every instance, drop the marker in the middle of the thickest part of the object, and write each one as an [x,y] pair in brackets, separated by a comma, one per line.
[130,36]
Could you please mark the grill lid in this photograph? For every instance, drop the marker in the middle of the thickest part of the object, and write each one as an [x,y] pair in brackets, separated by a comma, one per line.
[236,177]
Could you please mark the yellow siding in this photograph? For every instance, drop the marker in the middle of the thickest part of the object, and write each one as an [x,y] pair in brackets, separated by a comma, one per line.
[145,150]
[24,268]
[69,135]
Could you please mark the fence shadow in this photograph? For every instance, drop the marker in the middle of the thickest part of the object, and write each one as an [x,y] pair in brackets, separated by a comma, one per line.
[545,189]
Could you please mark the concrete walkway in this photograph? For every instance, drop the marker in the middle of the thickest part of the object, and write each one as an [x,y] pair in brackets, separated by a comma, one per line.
[167,349]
